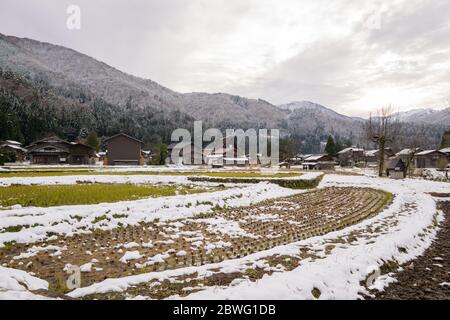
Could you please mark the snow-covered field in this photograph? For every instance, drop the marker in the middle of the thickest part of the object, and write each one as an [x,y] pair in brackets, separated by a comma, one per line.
[68,220]
[330,266]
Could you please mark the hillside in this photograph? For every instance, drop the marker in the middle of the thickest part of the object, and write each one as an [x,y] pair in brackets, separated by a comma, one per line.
[429,116]
[65,69]
[52,89]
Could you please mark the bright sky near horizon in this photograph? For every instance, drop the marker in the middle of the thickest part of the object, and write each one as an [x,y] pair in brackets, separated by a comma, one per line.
[352,56]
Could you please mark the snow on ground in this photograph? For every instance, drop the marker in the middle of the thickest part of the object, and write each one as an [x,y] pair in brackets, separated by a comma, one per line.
[67,220]
[434,174]
[407,224]
[136,179]
[63,180]
[401,232]
[15,284]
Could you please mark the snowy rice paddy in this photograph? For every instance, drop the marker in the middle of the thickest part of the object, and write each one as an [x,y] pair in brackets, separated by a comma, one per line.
[249,241]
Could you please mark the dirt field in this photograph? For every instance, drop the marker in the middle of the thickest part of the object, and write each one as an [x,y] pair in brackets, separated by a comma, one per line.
[427,277]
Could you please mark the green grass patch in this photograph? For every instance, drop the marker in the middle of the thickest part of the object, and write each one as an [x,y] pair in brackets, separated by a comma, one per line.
[47,196]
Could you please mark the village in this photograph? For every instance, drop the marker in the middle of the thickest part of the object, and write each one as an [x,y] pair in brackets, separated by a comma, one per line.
[241,152]
[81,223]
[123,149]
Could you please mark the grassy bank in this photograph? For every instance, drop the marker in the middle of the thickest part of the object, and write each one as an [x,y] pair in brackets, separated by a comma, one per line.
[286,183]
[47,196]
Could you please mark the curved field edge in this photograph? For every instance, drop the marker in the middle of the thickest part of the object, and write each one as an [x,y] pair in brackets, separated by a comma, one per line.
[333,266]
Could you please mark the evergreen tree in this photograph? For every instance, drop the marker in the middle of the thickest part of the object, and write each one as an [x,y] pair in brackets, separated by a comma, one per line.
[92,140]
[160,153]
[445,142]
[331,148]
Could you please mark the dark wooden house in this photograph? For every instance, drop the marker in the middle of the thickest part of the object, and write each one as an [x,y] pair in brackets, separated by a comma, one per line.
[430,159]
[318,162]
[350,156]
[407,155]
[122,149]
[373,156]
[54,150]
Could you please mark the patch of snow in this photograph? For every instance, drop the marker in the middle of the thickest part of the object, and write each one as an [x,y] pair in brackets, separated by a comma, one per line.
[17,284]
[130,255]
[87,267]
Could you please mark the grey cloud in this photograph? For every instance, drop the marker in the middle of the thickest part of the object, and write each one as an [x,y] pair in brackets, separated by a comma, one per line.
[166,41]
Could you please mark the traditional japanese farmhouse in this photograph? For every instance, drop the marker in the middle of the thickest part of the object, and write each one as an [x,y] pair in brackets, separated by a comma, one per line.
[373,156]
[54,150]
[431,159]
[350,156]
[318,162]
[407,155]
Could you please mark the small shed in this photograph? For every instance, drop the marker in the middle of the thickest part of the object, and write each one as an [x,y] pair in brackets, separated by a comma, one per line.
[396,168]
[123,149]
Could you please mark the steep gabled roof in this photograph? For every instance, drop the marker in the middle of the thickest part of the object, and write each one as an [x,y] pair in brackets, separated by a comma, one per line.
[49,140]
[395,163]
[124,135]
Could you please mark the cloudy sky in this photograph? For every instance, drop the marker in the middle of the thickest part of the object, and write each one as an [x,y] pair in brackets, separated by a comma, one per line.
[352,56]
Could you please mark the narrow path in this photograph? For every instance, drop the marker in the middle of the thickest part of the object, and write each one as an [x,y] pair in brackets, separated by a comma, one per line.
[428,276]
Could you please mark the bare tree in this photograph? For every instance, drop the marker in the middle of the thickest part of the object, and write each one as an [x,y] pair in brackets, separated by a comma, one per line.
[382,129]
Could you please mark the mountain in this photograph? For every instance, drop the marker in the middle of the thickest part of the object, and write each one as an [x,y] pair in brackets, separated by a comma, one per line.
[305,118]
[61,68]
[49,89]
[429,116]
